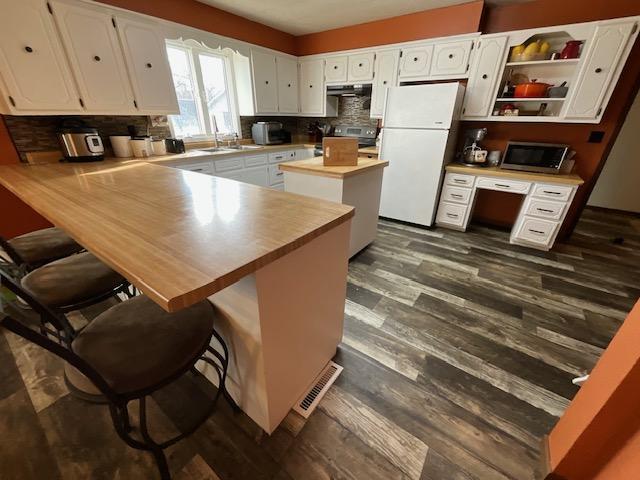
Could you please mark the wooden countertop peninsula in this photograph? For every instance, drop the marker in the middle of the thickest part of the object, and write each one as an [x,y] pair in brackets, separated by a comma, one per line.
[566,179]
[179,236]
[314,166]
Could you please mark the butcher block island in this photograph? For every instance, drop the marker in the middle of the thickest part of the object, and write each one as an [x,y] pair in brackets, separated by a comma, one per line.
[357,185]
[273,263]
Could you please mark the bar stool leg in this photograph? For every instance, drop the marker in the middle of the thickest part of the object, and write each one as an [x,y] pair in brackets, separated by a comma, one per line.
[156,450]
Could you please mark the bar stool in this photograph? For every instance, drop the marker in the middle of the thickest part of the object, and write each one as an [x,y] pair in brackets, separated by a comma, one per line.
[128,352]
[34,249]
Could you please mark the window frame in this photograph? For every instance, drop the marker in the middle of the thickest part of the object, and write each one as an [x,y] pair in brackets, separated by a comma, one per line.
[193,49]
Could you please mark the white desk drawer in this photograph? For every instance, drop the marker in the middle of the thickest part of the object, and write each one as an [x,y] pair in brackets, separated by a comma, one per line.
[275,175]
[202,167]
[556,192]
[255,160]
[536,230]
[456,194]
[503,184]
[459,180]
[228,164]
[451,214]
[545,209]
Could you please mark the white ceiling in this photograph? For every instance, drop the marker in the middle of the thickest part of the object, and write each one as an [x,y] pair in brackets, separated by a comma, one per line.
[299,17]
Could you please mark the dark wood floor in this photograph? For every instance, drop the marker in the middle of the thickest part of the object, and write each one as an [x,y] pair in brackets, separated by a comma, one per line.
[459,350]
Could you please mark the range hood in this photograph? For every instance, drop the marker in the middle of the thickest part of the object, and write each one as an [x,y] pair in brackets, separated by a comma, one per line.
[360,89]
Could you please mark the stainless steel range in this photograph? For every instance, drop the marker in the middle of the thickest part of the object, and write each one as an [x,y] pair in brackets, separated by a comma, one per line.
[365,134]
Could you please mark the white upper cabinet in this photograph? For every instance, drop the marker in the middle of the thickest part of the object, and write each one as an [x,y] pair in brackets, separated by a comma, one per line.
[287,69]
[33,69]
[386,68]
[265,86]
[451,59]
[483,77]
[361,67]
[336,69]
[95,56]
[415,62]
[600,68]
[312,94]
[146,59]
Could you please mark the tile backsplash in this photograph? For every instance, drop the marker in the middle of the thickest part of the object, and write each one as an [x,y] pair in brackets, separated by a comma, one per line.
[38,133]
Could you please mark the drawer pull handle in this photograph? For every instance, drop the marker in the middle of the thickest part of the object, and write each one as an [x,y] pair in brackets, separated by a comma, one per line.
[455,195]
[452,215]
[459,180]
[197,169]
[539,232]
[550,192]
[546,210]
[279,174]
[502,185]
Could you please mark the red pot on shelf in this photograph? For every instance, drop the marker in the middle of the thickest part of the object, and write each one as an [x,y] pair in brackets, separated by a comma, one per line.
[531,89]
[571,49]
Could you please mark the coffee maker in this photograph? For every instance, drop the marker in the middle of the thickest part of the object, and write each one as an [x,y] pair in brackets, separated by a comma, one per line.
[472,152]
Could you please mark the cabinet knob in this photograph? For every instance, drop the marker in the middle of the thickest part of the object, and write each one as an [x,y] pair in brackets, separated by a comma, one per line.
[484,76]
[288,85]
[266,82]
[28,49]
[384,82]
[149,65]
[97,58]
[598,70]
[335,67]
[415,59]
[310,86]
[451,55]
[359,64]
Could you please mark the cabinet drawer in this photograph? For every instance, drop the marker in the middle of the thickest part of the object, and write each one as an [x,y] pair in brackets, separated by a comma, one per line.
[255,160]
[228,164]
[275,175]
[556,192]
[545,209]
[459,180]
[335,69]
[456,194]
[451,214]
[202,167]
[279,157]
[536,231]
[504,185]
[450,58]
[416,62]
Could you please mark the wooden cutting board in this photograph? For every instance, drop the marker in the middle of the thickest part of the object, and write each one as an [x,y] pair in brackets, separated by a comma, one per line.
[340,151]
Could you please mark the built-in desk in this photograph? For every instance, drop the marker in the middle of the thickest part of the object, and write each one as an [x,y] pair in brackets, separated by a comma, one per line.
[547,200]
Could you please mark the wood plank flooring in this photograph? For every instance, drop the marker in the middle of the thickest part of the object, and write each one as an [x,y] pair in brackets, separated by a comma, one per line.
[459,350]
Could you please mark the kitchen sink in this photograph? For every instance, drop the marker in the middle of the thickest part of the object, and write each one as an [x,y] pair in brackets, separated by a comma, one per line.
[243,147]
[230,148]
[215,149]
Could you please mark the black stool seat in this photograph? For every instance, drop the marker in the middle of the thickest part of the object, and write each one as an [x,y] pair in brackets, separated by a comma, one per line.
[44,245]
[136,344]
[71,280]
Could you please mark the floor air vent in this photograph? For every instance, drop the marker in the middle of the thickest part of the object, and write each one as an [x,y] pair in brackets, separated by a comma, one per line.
[308,402]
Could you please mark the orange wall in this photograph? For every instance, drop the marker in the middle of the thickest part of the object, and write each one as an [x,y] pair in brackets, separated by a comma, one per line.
[211,19]
[498,209]
[599,434]
[438,22]
[17,217]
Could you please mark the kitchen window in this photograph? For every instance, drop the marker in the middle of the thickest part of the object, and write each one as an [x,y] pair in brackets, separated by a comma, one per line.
[204,88]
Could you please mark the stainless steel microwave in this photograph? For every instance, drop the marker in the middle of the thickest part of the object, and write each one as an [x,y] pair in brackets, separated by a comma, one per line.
[534,157]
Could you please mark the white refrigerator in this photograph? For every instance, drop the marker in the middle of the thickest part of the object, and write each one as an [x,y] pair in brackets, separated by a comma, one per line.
[419,129]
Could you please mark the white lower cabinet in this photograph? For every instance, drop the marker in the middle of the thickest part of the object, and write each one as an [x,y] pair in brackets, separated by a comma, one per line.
[256,176]
[276,176]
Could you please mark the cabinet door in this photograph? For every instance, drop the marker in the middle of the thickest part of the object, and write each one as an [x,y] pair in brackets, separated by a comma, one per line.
[484,77]
[145,54]
[335,69]
[287,85]
[312,95]
[608,46]
[416,62]
[265,88]
[450,58]
[256,176]
[95,56]
[361,67]
[33,67]
[386,76]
